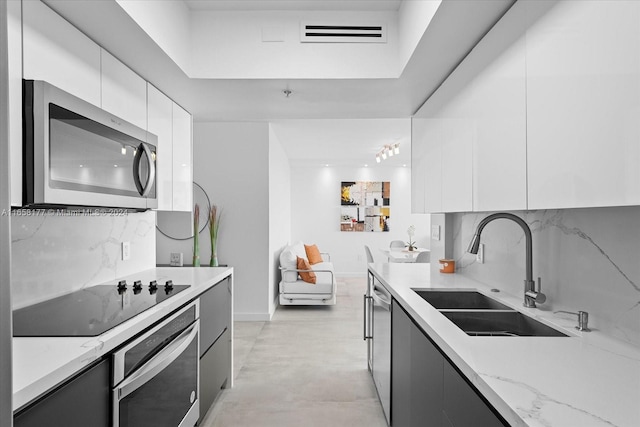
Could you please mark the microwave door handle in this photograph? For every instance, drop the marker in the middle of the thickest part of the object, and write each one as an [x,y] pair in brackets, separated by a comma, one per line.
[152,172]
[158,363]
[137,161]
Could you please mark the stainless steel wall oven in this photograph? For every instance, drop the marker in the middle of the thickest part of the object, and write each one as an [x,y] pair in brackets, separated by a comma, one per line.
[156,376]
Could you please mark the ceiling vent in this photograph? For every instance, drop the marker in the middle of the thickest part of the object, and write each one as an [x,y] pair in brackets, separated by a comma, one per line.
[339,33]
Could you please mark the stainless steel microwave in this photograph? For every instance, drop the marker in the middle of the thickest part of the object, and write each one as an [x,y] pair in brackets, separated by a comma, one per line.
[76,154]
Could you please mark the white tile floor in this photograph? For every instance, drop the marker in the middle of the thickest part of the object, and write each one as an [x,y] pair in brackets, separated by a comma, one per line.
[307,367]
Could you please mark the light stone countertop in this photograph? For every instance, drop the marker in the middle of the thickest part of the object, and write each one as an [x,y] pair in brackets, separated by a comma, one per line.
[586,379]
[39,364]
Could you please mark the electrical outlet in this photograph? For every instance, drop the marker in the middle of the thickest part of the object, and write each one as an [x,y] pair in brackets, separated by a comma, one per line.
[480,254]
[435,232]
[126,251]
[176,259]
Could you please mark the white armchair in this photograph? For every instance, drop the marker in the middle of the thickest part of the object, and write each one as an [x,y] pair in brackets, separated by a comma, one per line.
[294,290]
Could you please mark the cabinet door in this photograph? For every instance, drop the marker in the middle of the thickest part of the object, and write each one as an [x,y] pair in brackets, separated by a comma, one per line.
[419,161]
[457,160]
[433,166]
[182,160]
[124,93]
[159,116]
[426,160]
[400,367]
[14,66]
[214,371]
[462,405]
[426,379]
[84,401]
[57,52]
[416,374]
[215,314]
[445,143]
[583,100]
[497,108]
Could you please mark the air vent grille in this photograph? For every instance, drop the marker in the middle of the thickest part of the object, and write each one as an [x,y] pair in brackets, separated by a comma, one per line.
[339,33]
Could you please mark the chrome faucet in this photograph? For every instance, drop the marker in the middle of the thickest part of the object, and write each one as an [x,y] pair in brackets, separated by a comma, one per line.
[531,296]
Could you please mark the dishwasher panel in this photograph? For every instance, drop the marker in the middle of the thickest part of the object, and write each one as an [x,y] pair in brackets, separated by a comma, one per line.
[381,343]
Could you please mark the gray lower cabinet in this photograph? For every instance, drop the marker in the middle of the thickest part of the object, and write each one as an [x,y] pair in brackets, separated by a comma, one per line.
[416,373]
[426,389]
[462,404]
[80,402]
[215,342]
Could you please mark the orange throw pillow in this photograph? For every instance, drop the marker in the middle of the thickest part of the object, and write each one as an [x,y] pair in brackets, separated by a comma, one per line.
[313,254]
[309,277]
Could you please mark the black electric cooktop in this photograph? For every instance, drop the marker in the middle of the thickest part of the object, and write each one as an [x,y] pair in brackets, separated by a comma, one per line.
[90,311]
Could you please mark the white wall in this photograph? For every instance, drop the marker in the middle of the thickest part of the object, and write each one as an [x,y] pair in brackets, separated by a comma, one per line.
[231,163]
[167,22]
[413,19]
[279,212]
[587,259]
[315,214]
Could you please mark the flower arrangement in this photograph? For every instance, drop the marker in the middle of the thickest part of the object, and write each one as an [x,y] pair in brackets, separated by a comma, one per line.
[214,224]
[411,231]
[196,232]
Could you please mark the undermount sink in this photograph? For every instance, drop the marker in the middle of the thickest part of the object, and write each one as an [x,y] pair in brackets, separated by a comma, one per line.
[481,316]
[460,300]
[500,324]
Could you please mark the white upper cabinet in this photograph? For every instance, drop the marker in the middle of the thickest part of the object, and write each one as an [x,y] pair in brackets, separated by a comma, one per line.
[426,170]
[497,109]
[57,52]
[172,125]
[14,65]
[433,166]
[182,160]
[160,113]
[124,93]
[473,144]
[419,162]
[583,103]
[457,160]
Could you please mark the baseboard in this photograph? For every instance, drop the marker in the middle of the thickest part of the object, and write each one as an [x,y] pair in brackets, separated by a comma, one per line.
[251,317]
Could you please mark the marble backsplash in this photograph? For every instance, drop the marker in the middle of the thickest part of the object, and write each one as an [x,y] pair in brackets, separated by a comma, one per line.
[588,259]
[55,254]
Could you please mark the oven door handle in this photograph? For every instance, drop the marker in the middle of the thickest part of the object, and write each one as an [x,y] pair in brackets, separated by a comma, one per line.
[159,362]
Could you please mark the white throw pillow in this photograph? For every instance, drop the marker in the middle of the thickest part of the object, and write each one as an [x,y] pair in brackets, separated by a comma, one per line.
[298,250]
[288,260]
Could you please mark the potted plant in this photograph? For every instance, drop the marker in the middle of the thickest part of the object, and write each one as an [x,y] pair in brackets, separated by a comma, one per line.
[214,224]
[196,231]
[411,231]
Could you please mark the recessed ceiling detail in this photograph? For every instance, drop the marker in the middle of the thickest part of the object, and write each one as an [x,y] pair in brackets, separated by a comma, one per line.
[340,33]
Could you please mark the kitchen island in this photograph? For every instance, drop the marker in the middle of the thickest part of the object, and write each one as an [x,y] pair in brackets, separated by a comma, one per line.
[40,364]
[585,379]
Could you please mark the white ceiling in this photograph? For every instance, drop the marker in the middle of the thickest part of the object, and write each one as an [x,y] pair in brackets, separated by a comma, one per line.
[293,4]
[313,123]
[344,142]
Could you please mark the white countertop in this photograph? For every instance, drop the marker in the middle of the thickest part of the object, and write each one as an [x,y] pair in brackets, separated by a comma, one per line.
[41,363]
[586,379]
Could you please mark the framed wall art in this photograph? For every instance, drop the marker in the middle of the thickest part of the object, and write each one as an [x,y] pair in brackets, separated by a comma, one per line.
[364,206]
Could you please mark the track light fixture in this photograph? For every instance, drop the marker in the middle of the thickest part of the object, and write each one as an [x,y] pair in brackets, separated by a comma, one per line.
[388,151]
